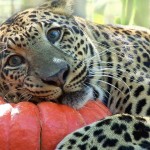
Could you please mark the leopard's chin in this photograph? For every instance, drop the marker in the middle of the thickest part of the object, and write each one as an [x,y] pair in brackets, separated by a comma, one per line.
[39,99]
[72,99]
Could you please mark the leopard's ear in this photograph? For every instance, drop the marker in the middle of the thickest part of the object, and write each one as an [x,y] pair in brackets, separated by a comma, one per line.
[63,7]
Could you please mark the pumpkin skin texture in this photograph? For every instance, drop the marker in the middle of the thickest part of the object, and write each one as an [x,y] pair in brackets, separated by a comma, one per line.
[19,126]
[28,126]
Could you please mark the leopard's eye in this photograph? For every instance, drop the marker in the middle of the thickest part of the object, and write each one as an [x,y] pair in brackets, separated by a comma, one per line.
[54,35]
[15,60]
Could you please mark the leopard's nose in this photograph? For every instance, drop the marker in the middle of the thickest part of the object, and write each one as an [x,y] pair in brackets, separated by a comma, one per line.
[57,79]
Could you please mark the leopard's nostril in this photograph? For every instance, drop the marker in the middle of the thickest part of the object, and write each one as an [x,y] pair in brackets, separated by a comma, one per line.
[65,74]
[50,82]
[57,79]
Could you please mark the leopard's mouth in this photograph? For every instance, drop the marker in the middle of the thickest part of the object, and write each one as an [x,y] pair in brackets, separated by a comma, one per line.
[69,96]
[74,99]
[39,99]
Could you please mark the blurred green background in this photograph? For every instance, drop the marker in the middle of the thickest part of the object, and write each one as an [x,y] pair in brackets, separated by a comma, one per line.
[126,12]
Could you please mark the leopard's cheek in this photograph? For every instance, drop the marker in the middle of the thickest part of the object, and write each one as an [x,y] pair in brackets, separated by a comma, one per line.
[39,89]
[11,84]
[14,77]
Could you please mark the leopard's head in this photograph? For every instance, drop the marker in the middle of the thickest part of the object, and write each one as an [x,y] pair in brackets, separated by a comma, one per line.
[47,55]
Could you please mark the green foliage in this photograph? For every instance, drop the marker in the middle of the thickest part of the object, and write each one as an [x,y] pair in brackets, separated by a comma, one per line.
[98,18]
[135,12]
[126,12]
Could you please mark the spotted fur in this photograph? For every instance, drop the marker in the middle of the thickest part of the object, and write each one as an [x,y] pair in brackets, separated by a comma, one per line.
[87,61]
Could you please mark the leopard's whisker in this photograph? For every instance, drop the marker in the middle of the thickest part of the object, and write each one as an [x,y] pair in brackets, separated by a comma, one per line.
[28,98]
[119,55]
[119,80]
[105,62]
[108,68]
[106,51]
[113,72]
[6,96]
[4,86]
[26,95]
[99,67]
[110,85]
[9,83]
[3,90]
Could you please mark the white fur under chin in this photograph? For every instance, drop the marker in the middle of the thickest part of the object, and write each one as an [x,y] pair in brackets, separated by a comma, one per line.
[90,96]
[101,93]
[85,98]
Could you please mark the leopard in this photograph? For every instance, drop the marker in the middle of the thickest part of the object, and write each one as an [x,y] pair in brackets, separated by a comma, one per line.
[49,54]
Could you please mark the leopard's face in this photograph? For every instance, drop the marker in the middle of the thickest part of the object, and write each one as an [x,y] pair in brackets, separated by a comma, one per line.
[46,58]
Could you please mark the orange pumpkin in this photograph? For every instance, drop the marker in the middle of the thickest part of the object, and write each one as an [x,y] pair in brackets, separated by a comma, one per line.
[26,126]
